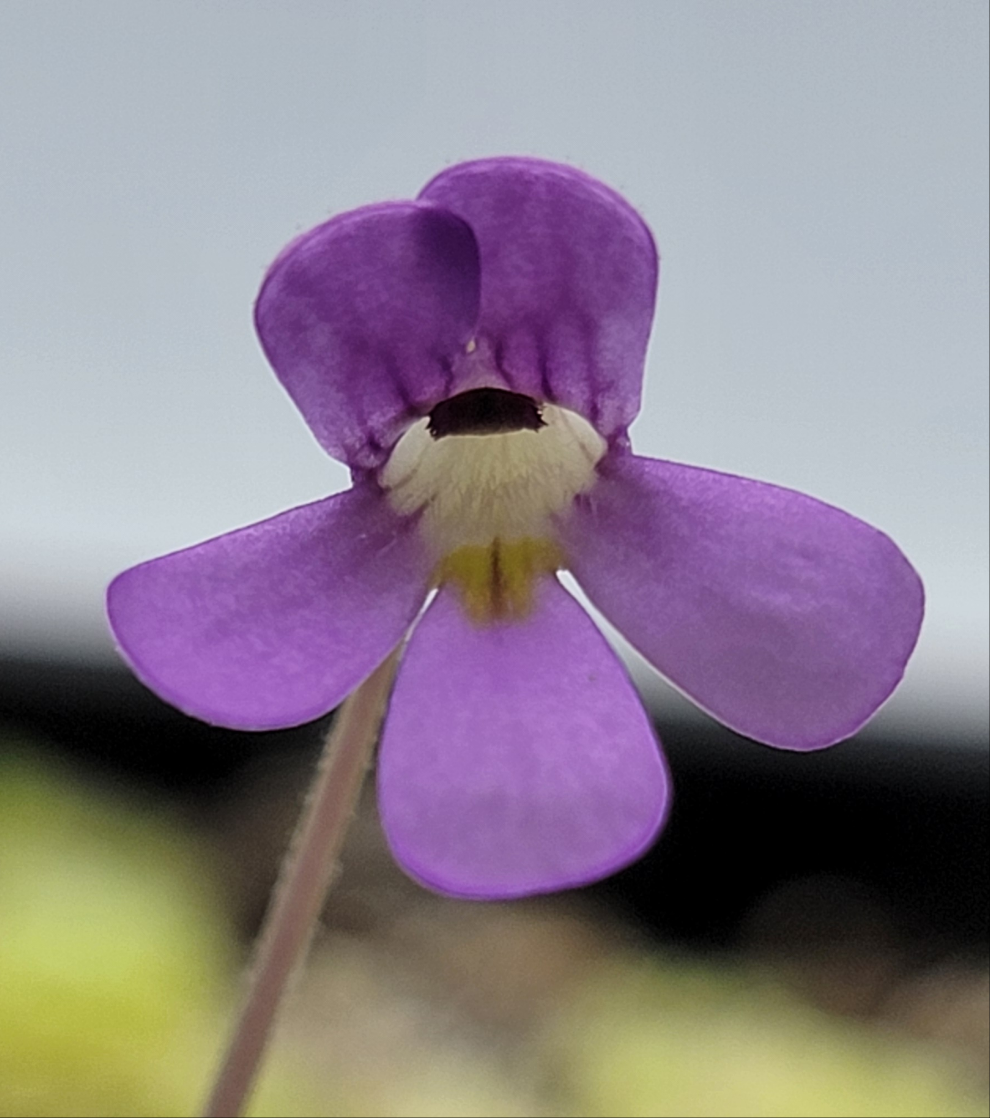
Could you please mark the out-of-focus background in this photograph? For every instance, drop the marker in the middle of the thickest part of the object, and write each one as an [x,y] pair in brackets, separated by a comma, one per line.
[809,937]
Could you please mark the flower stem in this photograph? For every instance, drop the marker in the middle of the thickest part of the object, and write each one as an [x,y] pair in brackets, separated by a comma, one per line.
[303,882]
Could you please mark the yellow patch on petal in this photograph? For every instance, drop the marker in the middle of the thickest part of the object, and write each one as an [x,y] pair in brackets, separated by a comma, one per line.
[495,581]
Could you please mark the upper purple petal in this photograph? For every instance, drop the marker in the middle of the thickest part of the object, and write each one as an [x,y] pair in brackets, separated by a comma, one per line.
[516,758]
[274,624]
[568,282]
[363,319]
[786,618]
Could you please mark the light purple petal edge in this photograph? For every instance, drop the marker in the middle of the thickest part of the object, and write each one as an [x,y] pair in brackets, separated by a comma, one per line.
[274,624]
[784,617]
[516,758]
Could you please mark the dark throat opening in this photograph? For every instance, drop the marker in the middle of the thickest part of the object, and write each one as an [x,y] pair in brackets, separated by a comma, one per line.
[484,411]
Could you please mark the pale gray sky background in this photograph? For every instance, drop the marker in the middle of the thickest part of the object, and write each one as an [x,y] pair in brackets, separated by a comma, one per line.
[815,174]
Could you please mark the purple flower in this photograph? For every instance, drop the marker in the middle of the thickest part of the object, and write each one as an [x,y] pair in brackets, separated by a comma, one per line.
[475,358]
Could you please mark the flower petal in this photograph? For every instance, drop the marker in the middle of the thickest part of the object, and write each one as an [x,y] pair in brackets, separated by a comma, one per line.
[516,758]
[363,317]
[568,282]
[785,618]
[274,624]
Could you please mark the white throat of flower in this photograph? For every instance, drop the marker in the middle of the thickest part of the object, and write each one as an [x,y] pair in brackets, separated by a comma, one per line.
[487,472]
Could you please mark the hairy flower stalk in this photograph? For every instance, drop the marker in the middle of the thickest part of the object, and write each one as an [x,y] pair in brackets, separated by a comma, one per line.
[302,886]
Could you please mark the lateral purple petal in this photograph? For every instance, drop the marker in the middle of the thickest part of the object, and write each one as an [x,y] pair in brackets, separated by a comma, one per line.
[785,618]
[568,282]
[516,758]
[363,318]
[274,624]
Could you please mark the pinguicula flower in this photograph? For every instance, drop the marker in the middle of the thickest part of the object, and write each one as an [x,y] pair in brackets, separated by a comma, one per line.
[475,358]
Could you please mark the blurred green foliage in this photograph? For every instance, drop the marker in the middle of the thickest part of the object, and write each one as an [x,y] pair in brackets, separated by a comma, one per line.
[649,1039]
[118,975]
[115,964]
